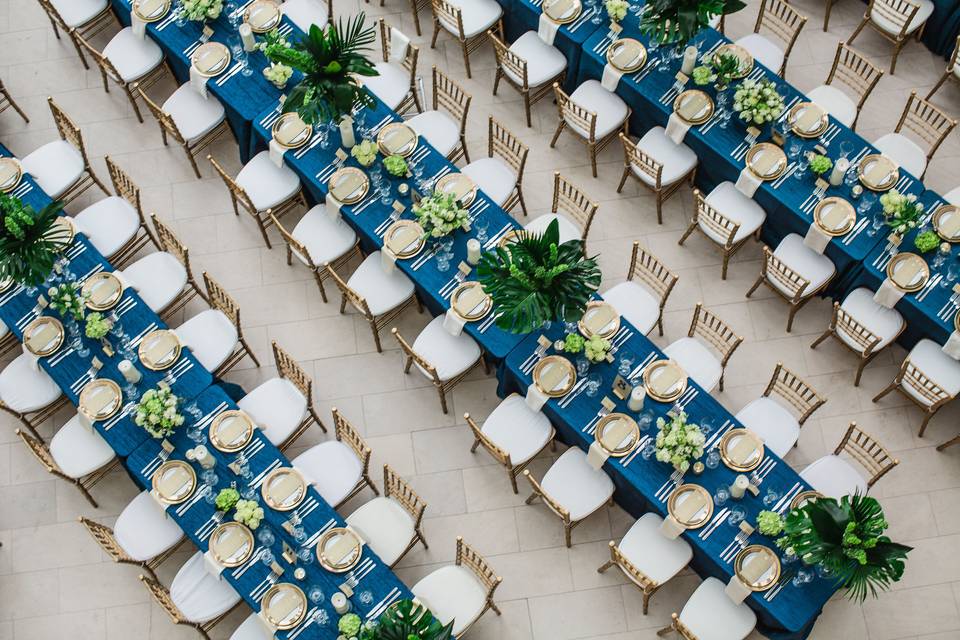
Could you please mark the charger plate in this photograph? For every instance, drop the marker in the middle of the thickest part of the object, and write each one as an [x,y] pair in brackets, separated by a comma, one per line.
[677,380]
[908,271]
[263,15]
[284,606]
[834,216]
[339,550]
[617,434]
[174,482]
[210,59]
[284,489]
[100,399]
[102,290]
[878,172]
[741,450]
[470,302]
[43,336]
[554,376]
[700,516]
[600,318]
[627,55]
[231,544]
[231,431]
[159,350]
[769,571]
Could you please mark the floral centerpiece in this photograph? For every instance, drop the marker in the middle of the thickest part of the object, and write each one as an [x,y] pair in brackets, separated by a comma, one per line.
[902,211]
[365,152]
[68,300]
[678,442]
[395,165]
[680,20]
[277,73]
[571,343]
[596,348]
[757,101]
[769,523]
[403,620]
[616,9]
[227,499]
[249,513]
[926,241]
[719,70]
[29,241]
[846,538]
[157,412]
[97,326]
[202,10]
[440,214]
[820,164]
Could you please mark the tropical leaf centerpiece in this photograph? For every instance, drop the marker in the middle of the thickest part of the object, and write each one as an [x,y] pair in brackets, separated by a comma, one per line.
[29,240]
[330,60]
[405,620]
[846,538]
[537,279]
[677,21]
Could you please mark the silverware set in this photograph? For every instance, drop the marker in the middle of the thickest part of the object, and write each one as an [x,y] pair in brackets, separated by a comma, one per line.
[573,393]
[643,73]
[618,342]
[11,294]
[714,440]
[381,606]
[488,322]
[22,190]
[930,285]
[167,21]
[478,208]
[719,518]
[758,476]
[308,620]
[234,70]
[827,137]
[177,371]
[637,372]
[260,477]
[194,499]
[497,237]
[880,262]
[206,529]
[904,183]
[451,285]
[84,378]
[252,449]
[359,573]
[254,558]
[602,46]
[193,47]
[686,397]
[786,109]
[531,360]
[60,357]
[949,307]
[582,20]
[858,228]
[155,464]
[636,450]
[675,480]
[312,540]
[791,168]
[257,592]
[781,583]
[591,426]
[735,546]
[324,174]
[124,412]
[815,196]
[309,506]
[784,502]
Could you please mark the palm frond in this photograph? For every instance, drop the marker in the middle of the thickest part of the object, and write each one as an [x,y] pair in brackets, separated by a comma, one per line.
[28,257]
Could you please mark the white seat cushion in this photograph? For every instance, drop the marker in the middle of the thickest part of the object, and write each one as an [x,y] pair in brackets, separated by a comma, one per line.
[450,355]
[277,407]
[385,526]
[711,615]
[943,370]
[728,200]
[304,13]
[133,57]
[635,303]
[109,224]
[697,360]
[267,184]
[953,196]
[763,50]
[476,15]
[439,129]
[834,477]
[575,485]
[568,230]
[25,389]
[893,28]
[452,593]
[211,336]
[391,86]
[544,63]
[77,12]
[677,159]
[199,595]
[772,422]
[494,177]
[883,322]
[332,468]
[4,329]
[158,277]
[55,166]
[194,115]
[383,291]
[144,530]
[903,151]
[326,239]
[812,266]
[611,110]
[836,102]
[517,429]
[658,557]
[79,450]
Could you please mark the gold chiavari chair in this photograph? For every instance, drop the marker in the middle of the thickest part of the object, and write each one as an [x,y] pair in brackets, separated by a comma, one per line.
[583,122]
[221,301]
[514,69]
[919,386]
[396,487]
[171,244]
[264,218]
[928,123]
[358,302]
[716,333]
[87,27]
[169,129]
[852,69]
[795,392]
[449,17]
[637,160]
[952,71]
[84,483]
[573,210]
[502,455]
[706,217]
[438,125]
[504,151]
[303,254]
[408,65]
[778,423]
[6,102]
[783,23]
[347,434]
[288,369]
[161,596]
[416,6]
[867,452]
[126,188]
[104,536]
[8,341]
[646,276]
[895,20]
[788,283]
[442,386]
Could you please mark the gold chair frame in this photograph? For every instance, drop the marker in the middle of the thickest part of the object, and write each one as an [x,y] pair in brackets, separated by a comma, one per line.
[409,63]
[290,370]
[344,432]
[568,110]
[928,122]
[126,188]
[557,508]
[950,71]
[104,536]
[784,23]
[171,244]
[634,156]
[717,334]
[70,132]
[859,333]
[451,96]
[722,225]
[161,595]
[442,386]
[33,419]
[453,15]
[6,102]
[570,199]
[949,443]
[911,375]
[89,29]
[41,452]
[774,269]
[647,585]
[795,392]
[853,69]
[504,144]
[319,273]
[468,556]
[646,267]
[507,58]
[221,301]
[396,488]
[416,6]
[677,625]
[870,454]
[899,12]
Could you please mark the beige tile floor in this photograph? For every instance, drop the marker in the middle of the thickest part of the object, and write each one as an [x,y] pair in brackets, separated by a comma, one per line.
[55,582]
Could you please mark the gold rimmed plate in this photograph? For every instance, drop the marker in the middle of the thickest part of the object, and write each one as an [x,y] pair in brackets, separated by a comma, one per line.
[174,482]
[290,132]
[397,139]
[100,399]
[757,567]
[599,319]
[5,283]
[617,434]
[43,336]
[741,450]
[10,174]
[339,549]
[878,172]
[693,106]
[283,489]
[554,376]
[665,380]
[231,431]
[159,349]
[263,15]
[803,498]
[627,55]
[690,505]
[908,271]
[510,237]
[64,230]
[834,216]
[231,544]
[348,185]
[404,238]
[470,302]
[766,161]
[460,186]
[956,321]
[284,606]
[103,290]
[808,120]
[946,220]
[210,59]
[746,60]
[151,10]
[562,11]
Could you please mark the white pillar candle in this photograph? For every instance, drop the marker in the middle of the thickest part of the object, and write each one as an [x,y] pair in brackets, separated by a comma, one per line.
[839,171]
[689,60]
[637,396]
[130,373]
[340,603]
[204,457]
[247,38]
[346,132]
[739,486]
[473,251]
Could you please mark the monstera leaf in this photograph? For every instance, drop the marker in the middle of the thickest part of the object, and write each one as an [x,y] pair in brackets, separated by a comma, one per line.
[407,620]
[29,240]
[679,20]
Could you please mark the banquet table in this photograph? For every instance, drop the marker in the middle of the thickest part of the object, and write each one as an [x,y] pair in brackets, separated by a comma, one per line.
[792,614]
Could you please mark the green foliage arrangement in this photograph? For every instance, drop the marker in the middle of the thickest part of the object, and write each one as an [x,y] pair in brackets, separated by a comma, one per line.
[757,101]
[902,211]
[227,499]
[441,214]
[926,241]
[571,343]
[680,20]
[678,442]
[719,70]
[97,326]
[157,412]
[846,538]
[249,512]
[202,10]
[29,241]
[67,299]
[405,620]
[769,523]
[616,9]
[395,165]
[365,152]
[596,348]
[820,164]
[537,279]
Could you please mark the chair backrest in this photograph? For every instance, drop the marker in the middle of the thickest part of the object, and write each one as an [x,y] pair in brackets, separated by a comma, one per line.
[416,357]
[569,199]
[42,453]
[795,392]
[345,433]
[357,300]
[574,114]
[898,12]
[289,369]
[161,596]
[705,214]
[782,21]
[409,61]
[164,119]
[449,13]
[910,375]
[103,535]
[397,488]
[634,156]
[775,270]
[854,70]
[170,243]
[509,61]
[235,189]
[950,67]
[4,97]
[69,131]
[295,245]
[102,61]
[618,558]
[125,187]
[931,124]
[468,556]
[222,301]
[54,14]
[714,331]
[647,268]
[871,455]
[451,96]
[549,500]
[842,321]
[501,455]
[505,145]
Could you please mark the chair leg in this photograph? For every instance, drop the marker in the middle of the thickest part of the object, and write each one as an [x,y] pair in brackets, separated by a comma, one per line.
[436,32]
[556,134]
[567,534]
[891,387]
[926,421]
[857,31]
[646,601]
[755,285]
[193,161]
[466,57]
[263,231]
[136,107]
[791,315]
[623,181]
[686,234]
[659,206]
[523,204]
[86,494]
[936,87]
[513,483]
[893,63]
[824,336]
[948,443]
[592,148]
[376,338]
[826,16]
[443,400]
[249,352]
[526,106]
[606,565]
[726,264]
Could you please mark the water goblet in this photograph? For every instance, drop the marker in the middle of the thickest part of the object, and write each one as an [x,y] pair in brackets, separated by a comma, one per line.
[323,133]
[626,364]
[951,275]
[181,14]
[235,44]
[265,536]
[794,149]
[365,597]
[249,492]
[648,450]
[720,496]
[803,163]
[321,617]
[315,593]
[943,252]
[592,385]
[866,203]
[267,557]
[823,572]
[725,116]
[737,515]
[209,495]
[481,225]
[196,434]
[80,347]
[446,245]
[193,409]
[712,460]
[443,262]
[384,190]
[209,477]
[244,60]
[706,427]
[645,420]
[803,577]
[583,366]
[305,555]
[770,497]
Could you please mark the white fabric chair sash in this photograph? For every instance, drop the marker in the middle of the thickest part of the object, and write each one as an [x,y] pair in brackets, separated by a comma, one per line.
[611,78]
[31,358]
[677,131]
[452,323]
[277,151]
[388,261]
[952,346]
[816,239]
[747,183]
[137,25]
[210,563]
[547,29]
[736,590]
[671,529]
[888,295]
[535,398]
[198,81]
[597,455]
[399,44]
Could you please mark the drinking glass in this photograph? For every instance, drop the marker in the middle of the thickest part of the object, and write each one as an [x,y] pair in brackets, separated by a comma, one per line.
[803,577]
[867,200]
[481,225]
[794,149]
[384,191]
[80,347]
[315,594]
[193,409]
[234,15]
[236,45]
[446,246]
[592,386]
[267,557]
[305,555]
[824,573]
[720,496]
[803,163]
[244,60]
[265,536]
[771,496]
[737,514]
[951,275]
[645,420]
[626,364]
[360,119]
[852,177]
[583,366]
[706,427]
[181,14]
[196,434]
[943,252]
[725,116]
[209,495]
[845,148]
[648,450]
[376,176]
[596,13]
[443,262]
[323,130]
[712,460]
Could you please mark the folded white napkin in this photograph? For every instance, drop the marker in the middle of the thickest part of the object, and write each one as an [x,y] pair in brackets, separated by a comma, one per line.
[276,153]
[671,529]
[453,323]
[210,563]
[535,398]
[677,128]
[952,347]
[198,81]
[271,630]
[611,77]
[388,261]
[597,455]
[156,498]
[888,295]
[736,590]
[547,29]
[747,183]
[816,239]
[124,282]
[31,358]
[398,45]
[138,26]
[84,421]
